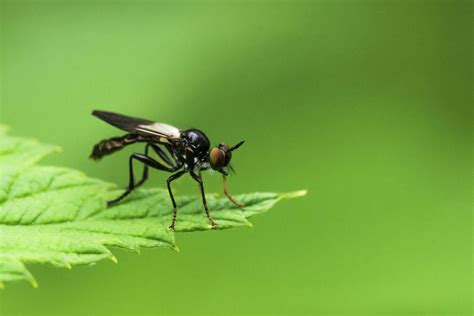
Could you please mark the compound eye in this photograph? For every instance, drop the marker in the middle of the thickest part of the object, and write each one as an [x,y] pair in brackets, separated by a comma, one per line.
[227,152]
[217,158]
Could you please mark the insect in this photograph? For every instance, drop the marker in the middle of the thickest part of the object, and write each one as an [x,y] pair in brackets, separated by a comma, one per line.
[180,151]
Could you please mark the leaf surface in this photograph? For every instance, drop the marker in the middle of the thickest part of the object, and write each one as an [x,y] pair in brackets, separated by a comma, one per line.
[59,216]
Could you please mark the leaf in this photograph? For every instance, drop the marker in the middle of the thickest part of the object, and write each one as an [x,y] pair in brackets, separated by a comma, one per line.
[17,153]
[58,215]
[12,269]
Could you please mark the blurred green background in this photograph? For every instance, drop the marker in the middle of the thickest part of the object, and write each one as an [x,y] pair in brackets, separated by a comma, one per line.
[367,104]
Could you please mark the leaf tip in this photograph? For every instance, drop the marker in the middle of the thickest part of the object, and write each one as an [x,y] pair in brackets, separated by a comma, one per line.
[294,194]
[34,284]
[114,259]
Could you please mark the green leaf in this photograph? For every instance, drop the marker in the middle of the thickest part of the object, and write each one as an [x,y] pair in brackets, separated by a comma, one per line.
[12,269]
[17,153]
[59,216]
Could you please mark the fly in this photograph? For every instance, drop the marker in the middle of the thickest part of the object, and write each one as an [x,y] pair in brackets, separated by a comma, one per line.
[181,152]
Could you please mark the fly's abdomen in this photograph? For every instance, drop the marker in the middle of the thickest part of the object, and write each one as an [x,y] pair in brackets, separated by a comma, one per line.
[111,145]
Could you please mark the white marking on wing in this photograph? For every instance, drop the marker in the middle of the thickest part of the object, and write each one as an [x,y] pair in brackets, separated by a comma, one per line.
[160,129]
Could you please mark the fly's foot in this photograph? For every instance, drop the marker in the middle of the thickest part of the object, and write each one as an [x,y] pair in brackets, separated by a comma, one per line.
[173,222]
[239,205]
[211,221]
[112,202]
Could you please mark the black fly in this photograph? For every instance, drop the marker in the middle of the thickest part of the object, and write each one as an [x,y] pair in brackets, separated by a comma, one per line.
[181,151]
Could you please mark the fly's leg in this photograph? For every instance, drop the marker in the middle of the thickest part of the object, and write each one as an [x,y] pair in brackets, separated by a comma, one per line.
[203,196]
[149,162]
[175,210]
[160,152]
[145,170]
[162,155]
[226,192]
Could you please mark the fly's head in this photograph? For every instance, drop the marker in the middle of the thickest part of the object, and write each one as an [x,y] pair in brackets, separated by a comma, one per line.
[220,156]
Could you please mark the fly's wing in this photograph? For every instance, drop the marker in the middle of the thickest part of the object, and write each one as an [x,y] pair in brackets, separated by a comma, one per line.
[126,123]
[138,125]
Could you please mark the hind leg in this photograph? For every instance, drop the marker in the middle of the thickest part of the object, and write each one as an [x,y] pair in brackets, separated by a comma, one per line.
[148,162]
[159,151]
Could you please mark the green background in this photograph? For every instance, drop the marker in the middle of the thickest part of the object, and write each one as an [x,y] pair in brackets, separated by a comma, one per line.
[367,104]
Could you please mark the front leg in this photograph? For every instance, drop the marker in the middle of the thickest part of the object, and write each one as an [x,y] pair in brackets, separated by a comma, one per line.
[203,195]
[226,192]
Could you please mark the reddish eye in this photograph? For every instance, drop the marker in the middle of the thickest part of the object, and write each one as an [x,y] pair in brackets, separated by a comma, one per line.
[217,158]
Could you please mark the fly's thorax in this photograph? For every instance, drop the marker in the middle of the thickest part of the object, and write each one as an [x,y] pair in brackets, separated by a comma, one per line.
[196,144]
[195,165]
[197,168]
[205,165]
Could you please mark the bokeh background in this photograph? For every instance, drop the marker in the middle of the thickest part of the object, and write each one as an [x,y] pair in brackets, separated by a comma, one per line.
[367,104]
